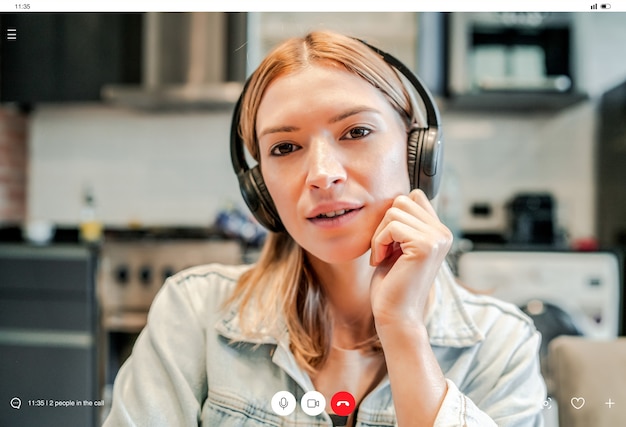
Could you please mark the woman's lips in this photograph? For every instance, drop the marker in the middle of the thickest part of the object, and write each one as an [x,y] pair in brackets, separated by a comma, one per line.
[330,210]
[339,217]
[333,214]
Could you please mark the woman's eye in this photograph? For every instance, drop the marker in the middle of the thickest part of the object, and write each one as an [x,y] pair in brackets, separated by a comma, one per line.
[283,149]
[357,132]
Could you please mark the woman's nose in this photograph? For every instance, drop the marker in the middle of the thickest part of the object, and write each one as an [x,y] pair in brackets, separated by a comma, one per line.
[325,165]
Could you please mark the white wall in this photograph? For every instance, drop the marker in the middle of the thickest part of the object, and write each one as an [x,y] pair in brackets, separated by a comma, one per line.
[493,156]
[145,168]
[601,54]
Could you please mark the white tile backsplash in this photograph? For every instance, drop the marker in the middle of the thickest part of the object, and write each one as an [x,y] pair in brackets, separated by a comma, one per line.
[496,155]
[174,168]
[148,168]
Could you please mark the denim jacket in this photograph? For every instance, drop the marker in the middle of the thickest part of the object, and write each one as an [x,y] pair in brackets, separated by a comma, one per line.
[192,366]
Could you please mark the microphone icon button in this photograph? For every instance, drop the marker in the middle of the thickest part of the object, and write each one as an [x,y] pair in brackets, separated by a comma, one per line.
[283,403]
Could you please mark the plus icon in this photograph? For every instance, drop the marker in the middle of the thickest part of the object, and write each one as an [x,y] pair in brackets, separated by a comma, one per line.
[610,403]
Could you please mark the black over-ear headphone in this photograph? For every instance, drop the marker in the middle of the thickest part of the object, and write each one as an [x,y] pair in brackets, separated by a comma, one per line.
[425,153]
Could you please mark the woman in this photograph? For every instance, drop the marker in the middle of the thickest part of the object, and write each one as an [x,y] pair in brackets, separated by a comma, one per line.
[353,294]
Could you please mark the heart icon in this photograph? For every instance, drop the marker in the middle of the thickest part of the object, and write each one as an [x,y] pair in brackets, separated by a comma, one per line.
[578,402]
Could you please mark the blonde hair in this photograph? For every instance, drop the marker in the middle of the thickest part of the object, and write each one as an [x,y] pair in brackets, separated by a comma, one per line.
[281,291]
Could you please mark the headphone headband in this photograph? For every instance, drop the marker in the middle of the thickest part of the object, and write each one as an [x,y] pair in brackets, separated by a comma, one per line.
[237,153]
[432,112]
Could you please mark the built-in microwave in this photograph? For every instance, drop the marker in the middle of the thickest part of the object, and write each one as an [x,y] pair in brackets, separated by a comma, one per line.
[504,59]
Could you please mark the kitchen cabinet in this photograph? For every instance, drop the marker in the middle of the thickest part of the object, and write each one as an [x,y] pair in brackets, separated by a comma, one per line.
[60,57]
[610,160]
[48,336]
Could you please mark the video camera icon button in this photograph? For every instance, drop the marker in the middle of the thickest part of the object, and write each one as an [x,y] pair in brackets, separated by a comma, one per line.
[283,403]
[313,403]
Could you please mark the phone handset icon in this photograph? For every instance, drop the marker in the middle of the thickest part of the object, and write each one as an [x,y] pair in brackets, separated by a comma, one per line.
[342,403]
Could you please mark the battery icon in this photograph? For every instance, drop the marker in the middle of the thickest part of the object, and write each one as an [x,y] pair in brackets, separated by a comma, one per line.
[605,6]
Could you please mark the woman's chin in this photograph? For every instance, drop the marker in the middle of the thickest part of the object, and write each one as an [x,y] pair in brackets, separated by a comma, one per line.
[340,254]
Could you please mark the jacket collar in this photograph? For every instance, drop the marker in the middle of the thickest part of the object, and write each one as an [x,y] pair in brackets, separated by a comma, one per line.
[229,327]
[448,322]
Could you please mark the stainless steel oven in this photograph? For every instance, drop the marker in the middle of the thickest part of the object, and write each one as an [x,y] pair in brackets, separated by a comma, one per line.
[131,273]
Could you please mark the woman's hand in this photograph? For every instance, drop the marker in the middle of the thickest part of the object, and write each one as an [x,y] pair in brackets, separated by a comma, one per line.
[408,248]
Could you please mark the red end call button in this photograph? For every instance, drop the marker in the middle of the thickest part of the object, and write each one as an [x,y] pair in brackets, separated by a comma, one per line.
[342,403]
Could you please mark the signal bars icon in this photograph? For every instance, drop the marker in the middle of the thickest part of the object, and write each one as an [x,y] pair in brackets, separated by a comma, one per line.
[605,6]
[11,33]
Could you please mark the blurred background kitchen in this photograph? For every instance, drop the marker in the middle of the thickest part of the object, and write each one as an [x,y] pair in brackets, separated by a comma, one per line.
[115,172]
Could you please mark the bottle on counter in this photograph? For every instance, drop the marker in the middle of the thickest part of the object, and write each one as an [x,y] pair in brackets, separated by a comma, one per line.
[91,228]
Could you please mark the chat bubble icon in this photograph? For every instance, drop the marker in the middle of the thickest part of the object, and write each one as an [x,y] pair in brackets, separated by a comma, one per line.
[16,403]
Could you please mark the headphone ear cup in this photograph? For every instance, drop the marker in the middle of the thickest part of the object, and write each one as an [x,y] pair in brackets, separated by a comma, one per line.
[258,199]
[414,148]
[425,157]
[431,165]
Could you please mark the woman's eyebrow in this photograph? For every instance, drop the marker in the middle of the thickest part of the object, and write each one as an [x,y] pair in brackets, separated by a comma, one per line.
[351,112]
[337,118]
[278,129]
